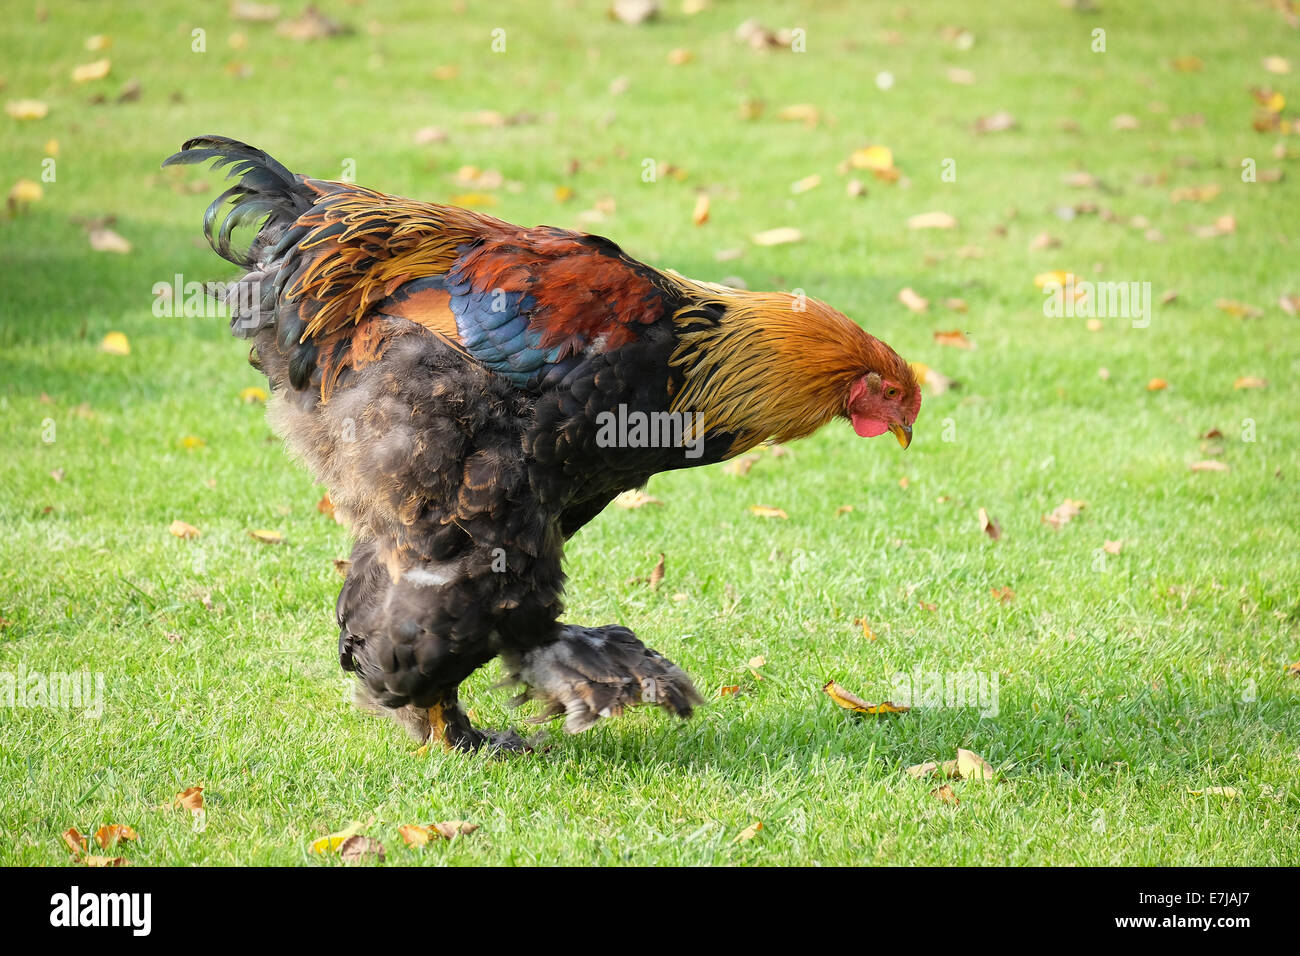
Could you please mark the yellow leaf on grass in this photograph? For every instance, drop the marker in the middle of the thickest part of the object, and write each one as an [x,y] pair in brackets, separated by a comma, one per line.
[190,442]
[1005,595]
[91,71]
[777,237]
[109,836]
[874,158]
[636,498]
[932,220]
[24,192]
[757,662]
[104,861]
[767,511]
[474,200]
[1054,277]
[1209,465]
[1157,385]
[989,526]
[804,113]
[1188,64]
[267,536]
[1250,382]
[331,843]
[971,766]
[183,530]
[418,835]
[26,109]
[1238,310]
[1112,547]
[851,701]
[1230,792]
[806,184]
[115,343]
[253,394]
[1277,64]
[747,834]
[867,632]
[937,381]
[1195,193]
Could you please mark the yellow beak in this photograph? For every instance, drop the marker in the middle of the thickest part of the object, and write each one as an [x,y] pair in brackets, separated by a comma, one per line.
[903,433]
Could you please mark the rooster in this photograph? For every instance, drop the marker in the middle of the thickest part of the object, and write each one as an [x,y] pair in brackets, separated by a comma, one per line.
[472,393]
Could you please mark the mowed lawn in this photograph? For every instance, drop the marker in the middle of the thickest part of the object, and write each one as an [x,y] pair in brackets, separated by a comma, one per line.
[1130,685]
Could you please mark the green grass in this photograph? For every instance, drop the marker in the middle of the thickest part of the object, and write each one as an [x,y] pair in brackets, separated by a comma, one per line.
[1122,687]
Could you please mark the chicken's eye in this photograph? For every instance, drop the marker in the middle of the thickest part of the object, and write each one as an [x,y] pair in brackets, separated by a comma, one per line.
[891,392]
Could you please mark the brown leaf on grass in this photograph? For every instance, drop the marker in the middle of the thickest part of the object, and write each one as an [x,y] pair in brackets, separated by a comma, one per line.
[959,76]
[851,701]
[657,575]
[97,861]
[1293,670]
[767,511]
[971,766]
[75,842]
[1112,547]
[777,237]
[921,770]
[1004,595]
[804,113]
[937,382]
[325,506]
[1248,381]
[1238,310]
[843,510]
[740,466]
[989,526]
[912,300]
[1187,64]
[955,338]
[342,566]
[932,220]
[1157,385]
[1290,304]
[104,239]
[944,794]
[700,215]
[747,834]
[186,532]
[356,849]
[1209,465]
[1044,240]
[634,12]
[267,536]
[996,123]
[729,690]
[1223,226]
[1277,64]
[57,474]
[636,498]
[680,56]
[109,836]
[189,799]
[310,25]
[417,835]
[1063,513]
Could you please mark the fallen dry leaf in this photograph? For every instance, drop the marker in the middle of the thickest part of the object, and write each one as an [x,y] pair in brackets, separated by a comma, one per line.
[26,109]
[851,701]
[183,530]
[867,632]
[1277,64]
[109,836]
[657,575]
[776,237]
[932,220]
[636,498]
[954,338]
[1112,547]
[75,842]
[1062,513]
[1157,385]
[740,466]
[767,511]
[1238,310]
[252,395]
[729,690]
[913,301]
[1004,595]
[701,213]
[1209,465]
[190,799]
[115,343]
[104,861]
[944,794]
[355,849]
[937,381]
[971,766]
[103,239]
[1195,193]
[997,123]
[1230,792]
[804,113]
[91,71]
[1250,382]
[267,536]
[989,526]
[332,842]
[807,184]
[747,834]
[190,442]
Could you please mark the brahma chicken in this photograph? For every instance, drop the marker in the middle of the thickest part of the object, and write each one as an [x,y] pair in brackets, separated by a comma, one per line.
[462,387]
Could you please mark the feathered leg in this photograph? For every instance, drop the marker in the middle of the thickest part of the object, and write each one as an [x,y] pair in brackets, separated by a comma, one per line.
[594,672]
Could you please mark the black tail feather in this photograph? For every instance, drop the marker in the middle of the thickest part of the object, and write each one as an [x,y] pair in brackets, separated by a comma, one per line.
[266,190]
